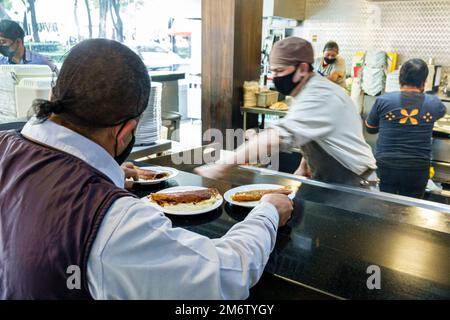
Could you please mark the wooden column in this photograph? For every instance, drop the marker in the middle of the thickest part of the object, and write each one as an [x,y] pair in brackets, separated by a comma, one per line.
[231,54]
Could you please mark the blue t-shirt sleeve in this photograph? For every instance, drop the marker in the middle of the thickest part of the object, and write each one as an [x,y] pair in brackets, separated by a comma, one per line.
[435,107]
[441,110]
[373,120]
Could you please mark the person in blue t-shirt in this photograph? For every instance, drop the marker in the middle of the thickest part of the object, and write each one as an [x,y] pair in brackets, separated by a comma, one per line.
[12,48]
[404,121]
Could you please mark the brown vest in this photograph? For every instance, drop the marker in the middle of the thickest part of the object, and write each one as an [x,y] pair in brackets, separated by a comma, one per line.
[51,207]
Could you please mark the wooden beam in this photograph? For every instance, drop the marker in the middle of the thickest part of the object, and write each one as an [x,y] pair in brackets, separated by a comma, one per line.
[247,53]
[231,54]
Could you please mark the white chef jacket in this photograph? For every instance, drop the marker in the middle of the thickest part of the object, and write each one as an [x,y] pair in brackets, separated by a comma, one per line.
[137,254]
[324,113]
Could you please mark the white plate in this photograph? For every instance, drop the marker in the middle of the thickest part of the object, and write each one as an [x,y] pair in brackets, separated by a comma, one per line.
[172,173]
[200,210]
[250,187]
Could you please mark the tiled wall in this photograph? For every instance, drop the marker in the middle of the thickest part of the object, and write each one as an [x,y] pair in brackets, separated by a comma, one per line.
[410,28]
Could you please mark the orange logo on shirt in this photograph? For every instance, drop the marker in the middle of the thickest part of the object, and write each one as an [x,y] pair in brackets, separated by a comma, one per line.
[390,116]
[409,116]
[428,117]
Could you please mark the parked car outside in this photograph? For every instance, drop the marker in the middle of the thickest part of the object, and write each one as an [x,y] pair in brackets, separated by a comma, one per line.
[158,58]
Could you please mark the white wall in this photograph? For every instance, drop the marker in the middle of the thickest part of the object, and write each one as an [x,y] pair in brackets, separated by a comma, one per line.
[419,29]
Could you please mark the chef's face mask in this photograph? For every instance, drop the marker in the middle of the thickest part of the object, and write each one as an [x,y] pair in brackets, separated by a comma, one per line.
[330,55]
[329,60]
[120,158]
[286,84]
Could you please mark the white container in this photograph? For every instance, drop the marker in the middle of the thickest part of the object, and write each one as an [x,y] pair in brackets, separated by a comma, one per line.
[21,71]
[30,89]
[10,77]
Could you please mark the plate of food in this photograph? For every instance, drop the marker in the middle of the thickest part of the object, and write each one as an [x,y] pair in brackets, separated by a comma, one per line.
[153,175]
[187,200]
[282,106]
[250,195]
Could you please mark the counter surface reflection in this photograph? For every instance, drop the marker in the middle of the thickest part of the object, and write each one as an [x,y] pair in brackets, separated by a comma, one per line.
[335,237]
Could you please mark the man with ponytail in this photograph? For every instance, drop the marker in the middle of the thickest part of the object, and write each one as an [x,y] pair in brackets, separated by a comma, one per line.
[64,211]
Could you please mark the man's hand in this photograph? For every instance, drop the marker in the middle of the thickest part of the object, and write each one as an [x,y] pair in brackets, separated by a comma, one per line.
[130,172]
[303,169]
[283,205]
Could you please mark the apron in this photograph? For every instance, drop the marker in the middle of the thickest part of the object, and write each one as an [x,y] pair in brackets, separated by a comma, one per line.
[327,169]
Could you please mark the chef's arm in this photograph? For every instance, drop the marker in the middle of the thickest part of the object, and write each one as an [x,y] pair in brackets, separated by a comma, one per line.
[303,169]
[258,149]
[259,145]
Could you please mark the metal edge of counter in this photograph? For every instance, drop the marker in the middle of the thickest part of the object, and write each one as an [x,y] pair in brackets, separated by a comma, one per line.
[360,191]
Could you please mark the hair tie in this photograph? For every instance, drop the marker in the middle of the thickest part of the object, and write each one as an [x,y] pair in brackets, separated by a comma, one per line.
[45,108]
[56,106]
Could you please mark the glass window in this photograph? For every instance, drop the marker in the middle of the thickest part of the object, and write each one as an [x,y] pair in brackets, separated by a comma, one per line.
[162,32]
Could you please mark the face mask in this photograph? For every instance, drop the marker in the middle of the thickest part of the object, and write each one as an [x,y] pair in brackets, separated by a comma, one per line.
[125,153]
[329,61]
[284,84]
[5,50]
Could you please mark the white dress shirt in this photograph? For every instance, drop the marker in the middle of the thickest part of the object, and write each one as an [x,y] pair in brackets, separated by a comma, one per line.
[137,254]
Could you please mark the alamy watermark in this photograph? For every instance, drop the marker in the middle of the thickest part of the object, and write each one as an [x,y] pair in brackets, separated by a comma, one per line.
[261,153]
[74,279]
[374,280]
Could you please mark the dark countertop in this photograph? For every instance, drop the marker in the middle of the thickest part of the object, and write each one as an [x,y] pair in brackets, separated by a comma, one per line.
[334,237]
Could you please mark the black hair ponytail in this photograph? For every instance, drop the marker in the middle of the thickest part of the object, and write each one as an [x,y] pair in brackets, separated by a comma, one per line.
[44,108]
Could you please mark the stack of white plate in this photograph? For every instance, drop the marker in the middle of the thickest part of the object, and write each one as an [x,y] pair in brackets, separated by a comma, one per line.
[149,128]
[7,98]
